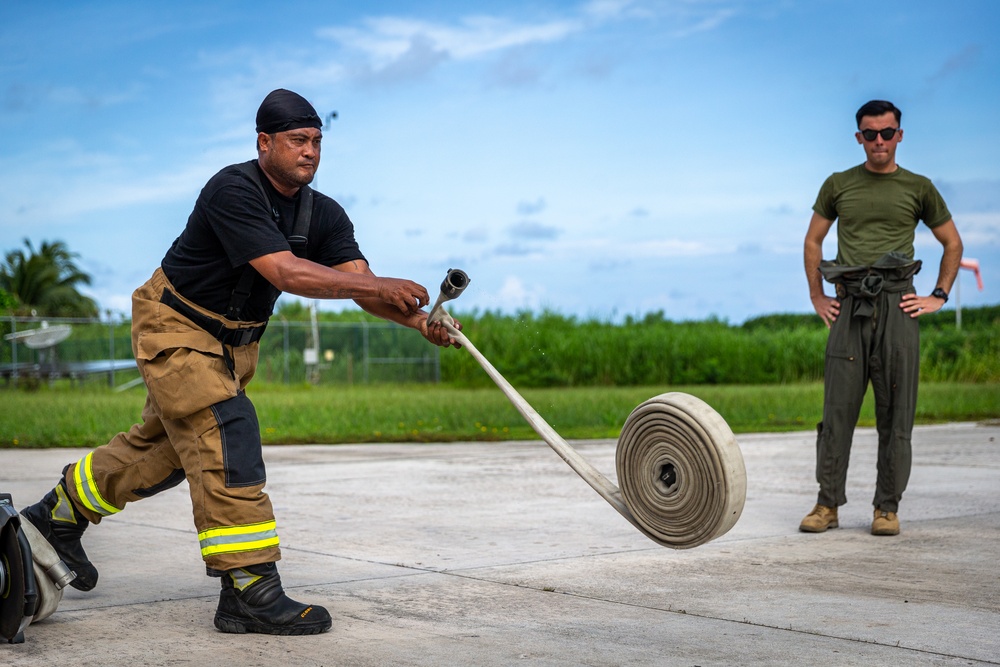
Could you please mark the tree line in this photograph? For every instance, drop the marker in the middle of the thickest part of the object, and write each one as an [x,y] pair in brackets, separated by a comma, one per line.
[550,349]
[44,281]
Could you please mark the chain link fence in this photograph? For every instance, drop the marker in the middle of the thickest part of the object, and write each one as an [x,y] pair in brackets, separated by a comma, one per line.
[345,353]
[39,349]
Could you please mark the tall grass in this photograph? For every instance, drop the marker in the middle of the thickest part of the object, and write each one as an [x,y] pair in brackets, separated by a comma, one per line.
[584,377]
[551,350]
[66,417]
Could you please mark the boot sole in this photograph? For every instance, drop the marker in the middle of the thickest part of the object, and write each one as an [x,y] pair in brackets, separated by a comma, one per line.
[237,625]
[809,529]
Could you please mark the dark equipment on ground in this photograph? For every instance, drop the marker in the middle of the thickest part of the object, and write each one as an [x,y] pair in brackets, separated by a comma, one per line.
[31,574]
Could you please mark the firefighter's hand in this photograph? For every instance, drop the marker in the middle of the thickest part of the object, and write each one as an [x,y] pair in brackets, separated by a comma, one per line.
[436,333]
[406,295]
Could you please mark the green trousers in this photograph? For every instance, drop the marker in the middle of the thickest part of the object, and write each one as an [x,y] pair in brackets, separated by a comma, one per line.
[874,341]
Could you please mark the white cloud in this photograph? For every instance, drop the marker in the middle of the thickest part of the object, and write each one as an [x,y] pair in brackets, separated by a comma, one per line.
[514,295]
[710,22]
[386,39]
[99,183]
[400,48]
[978,230]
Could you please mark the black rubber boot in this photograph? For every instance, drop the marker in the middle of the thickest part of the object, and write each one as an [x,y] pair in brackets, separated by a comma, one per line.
[252,600]
[57,520]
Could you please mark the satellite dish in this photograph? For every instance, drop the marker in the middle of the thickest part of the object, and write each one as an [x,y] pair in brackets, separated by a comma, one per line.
[40,339]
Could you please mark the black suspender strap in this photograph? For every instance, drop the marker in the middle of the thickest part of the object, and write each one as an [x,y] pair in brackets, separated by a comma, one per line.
[218,330]
[299,237]
[298,240]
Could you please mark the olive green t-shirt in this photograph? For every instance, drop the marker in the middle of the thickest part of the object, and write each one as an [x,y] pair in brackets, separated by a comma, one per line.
[878,213]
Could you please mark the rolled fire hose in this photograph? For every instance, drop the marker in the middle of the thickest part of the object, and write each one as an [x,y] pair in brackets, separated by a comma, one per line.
[51,573]
[683,481]
[681,471]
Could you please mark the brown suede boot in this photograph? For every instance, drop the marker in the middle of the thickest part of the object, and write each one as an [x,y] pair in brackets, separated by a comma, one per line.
[885,523]
[821,518]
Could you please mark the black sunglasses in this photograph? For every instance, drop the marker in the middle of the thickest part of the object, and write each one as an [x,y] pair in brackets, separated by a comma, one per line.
[887,133]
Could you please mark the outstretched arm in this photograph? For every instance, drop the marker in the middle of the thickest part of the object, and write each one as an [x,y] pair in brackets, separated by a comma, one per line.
[392,299]
[298,276]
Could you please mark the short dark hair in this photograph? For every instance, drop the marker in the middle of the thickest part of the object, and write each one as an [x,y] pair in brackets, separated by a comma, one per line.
[877,108]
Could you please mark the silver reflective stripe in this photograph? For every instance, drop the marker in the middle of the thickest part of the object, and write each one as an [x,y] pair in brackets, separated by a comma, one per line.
[242,578]
[86,488]
[63,511]
[233,539]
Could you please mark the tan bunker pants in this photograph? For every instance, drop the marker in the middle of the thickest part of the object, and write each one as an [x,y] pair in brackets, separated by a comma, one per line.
[197,423]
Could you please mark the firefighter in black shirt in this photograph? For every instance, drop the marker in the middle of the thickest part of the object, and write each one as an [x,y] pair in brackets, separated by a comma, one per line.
[256,230]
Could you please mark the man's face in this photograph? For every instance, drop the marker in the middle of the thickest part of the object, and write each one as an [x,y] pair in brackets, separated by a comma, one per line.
[881,152]
[291,157]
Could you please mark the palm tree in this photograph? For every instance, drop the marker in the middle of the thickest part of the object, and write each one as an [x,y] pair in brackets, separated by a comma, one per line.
[7,302]
[45,281]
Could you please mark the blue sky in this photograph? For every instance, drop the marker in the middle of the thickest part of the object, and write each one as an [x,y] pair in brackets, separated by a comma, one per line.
[600,159]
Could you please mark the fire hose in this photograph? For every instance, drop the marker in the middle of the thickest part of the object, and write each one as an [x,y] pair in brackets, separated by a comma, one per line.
[681,471]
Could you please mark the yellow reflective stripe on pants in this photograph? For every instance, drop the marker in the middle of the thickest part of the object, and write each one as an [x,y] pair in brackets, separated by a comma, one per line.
[233,539]
[86,489]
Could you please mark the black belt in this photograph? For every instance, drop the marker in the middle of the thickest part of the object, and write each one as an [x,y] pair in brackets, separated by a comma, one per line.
[218,330]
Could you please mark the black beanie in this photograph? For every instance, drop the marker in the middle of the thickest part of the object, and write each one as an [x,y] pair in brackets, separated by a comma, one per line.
[284,110]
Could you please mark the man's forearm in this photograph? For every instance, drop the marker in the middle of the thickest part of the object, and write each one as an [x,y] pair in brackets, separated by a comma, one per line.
[951,259]
[314,281]
[951,255]
[813,257]
[389,312]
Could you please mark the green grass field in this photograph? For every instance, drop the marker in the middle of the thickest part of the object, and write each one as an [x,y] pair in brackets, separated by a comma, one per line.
[583,377]
[72,417]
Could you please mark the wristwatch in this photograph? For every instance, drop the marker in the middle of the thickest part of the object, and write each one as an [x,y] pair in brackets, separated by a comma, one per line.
[940,293]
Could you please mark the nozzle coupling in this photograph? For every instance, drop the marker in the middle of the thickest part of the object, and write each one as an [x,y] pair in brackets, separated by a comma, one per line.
[454,284]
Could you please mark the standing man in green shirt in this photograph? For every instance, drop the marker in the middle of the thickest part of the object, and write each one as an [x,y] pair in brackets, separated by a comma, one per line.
[874,335]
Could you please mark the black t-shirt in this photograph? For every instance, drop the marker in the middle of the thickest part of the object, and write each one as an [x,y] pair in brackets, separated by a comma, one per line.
[232,224]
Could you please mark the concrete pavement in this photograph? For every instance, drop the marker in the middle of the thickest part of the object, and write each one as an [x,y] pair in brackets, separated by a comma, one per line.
[498,554]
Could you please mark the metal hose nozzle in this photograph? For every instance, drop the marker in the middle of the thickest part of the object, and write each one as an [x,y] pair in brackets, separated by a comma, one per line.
[454,284]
